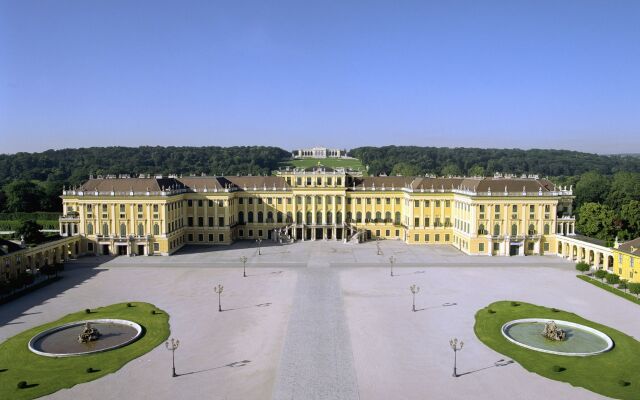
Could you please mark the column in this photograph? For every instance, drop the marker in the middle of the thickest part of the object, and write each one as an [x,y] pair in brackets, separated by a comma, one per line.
[334,208]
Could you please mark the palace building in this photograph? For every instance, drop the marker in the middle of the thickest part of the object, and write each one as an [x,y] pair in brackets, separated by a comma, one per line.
[319,152]
[147,215]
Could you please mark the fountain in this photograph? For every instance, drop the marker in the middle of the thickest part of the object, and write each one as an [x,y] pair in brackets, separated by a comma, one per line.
[556,337]
[68,340]
[552,332]
[88,334]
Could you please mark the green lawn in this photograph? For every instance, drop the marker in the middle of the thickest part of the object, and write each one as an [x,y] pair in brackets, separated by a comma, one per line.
[609,288]
[615,373]
[46,375]
[327,162]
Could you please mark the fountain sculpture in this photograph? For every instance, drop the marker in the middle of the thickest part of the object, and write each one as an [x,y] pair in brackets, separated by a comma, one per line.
[88,334]
[551,331]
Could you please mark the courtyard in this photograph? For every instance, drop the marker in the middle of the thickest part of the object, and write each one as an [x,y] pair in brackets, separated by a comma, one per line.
[321,320]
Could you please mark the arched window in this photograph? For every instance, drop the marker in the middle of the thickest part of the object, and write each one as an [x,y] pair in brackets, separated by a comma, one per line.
[378,216]
[260,217]
[358,217]
[89,228]
[532,229]
[299,217]
[241,217]
[250,216]
[329,218]
[289,217]
[319,218]
[387,217]
[156,229]
[105,229]
[546,229]
[140,230]
[368,216]
[309,218]
[279,216]
[496,230]
[349,217]
[269,216]
[514,230]
[338,217]
[481,229]
[123,230]
[397,218]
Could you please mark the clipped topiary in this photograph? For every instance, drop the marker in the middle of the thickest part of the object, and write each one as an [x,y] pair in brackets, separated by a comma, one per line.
[557,368]
[87,310]
[129,305]
[515,303]
[622,382]
[22,384]
[490,311]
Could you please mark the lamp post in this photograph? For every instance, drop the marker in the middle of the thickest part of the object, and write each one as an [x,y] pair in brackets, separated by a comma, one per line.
[172,347]
[392,259]
[244,266]
[378,246]
[454,346]
[218,289]
[259,241]
[414,289]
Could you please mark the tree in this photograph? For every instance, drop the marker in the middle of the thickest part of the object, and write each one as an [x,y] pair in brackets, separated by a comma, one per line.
[30,229]
[634,288]
[405,169]
[582,267]
[592,188]
[596,220]
[625,187]
[630,214]
[23,196]
[48,270]
[476,170]
[601,274]
[612,279]
[450,170]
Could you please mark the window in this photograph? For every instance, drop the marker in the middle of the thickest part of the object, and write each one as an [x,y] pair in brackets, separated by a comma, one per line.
[221,237]
[546,246]
[319,218]
[210,221]
[279,217]
[416,203]
[446,237]
[189,203]
[123,230]
[200,205]
[426,203]
[546,229]
[190,221]
[378,200]
[140,230]
[241,217]
[241,200]
[416,222]
[89,228]
[496,247]
[397,218]
[339,217]
[105,229]
[447,203]
[190,237]
[437,203]
[514,230]
[368,216]
[496,230]
[156,229]
[358,217]
[437,237]
[250,200]
[200,221]
[200,237]
[481,230]
[220,221]
[368,200]
[530,246]
[426,237]
[532,229]
[260,217]
[480,247]
[416,238]
[211,237]
[156,247]
[250,216]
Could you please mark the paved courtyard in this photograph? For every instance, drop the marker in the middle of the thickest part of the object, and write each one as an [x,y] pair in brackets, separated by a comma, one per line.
[321,320]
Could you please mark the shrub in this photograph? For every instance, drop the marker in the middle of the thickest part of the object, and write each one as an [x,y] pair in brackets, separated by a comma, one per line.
[557,368]
[87,310]
[601,274]
[555,310]
[612,279]
[490,311]
[22,384]
[634,288]
[582,267]
[515,304]
[623,284]
[622,382]
[90,370]
[153,312]
[129,305]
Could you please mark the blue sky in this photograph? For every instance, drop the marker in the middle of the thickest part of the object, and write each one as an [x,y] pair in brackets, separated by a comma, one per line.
[526,74]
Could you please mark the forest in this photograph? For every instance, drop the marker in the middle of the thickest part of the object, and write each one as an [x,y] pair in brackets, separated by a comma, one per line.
[607,187]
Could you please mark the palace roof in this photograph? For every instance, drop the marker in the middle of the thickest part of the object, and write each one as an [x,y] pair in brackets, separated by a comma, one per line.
[631,247]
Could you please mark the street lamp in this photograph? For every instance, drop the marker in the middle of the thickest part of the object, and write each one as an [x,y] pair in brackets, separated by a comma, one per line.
[454,346]
[414,289]
[218,289]
[172,347]
[392,259]
[244,266]
[259,241]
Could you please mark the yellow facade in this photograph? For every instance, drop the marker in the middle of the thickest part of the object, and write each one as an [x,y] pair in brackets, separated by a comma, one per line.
[627,260]
[29,259]
[483,216]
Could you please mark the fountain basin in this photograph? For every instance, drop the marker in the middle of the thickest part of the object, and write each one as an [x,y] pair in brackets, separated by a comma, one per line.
[580,341]
[62,340]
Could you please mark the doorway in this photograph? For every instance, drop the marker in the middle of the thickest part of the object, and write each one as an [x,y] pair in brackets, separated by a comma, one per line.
[105,249]
[122,250]
[140,249]
[514,249]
